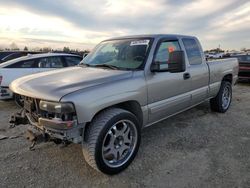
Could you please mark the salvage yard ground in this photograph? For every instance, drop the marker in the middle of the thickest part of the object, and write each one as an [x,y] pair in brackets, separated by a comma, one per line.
[197,148]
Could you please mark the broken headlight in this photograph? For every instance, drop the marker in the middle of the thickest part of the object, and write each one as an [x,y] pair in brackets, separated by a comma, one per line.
[57,107]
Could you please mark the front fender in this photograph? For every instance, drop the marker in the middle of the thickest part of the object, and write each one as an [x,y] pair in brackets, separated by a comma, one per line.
[90,101]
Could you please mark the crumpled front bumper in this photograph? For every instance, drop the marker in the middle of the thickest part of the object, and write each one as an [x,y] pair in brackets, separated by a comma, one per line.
[67,131]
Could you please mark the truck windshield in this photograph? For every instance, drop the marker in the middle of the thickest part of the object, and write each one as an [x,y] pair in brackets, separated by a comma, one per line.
[124,54]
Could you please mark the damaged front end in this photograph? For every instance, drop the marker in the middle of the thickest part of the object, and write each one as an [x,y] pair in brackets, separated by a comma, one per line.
[53,120]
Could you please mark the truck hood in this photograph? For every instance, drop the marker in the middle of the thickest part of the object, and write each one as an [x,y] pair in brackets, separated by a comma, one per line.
[53,85]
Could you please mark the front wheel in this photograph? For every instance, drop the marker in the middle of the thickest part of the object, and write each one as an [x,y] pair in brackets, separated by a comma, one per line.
[223,99]
[112,140]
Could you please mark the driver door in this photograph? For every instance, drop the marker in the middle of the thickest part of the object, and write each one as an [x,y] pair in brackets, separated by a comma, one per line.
[168,93]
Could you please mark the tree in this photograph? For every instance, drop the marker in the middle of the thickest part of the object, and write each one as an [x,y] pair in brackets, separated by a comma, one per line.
[13,46]
[46,49]
[66,49]
[243,49]
[25,48]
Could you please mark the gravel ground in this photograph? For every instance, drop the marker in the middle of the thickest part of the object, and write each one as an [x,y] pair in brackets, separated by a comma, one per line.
[197,148]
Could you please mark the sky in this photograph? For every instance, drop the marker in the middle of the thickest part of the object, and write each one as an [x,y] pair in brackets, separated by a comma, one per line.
[81,24]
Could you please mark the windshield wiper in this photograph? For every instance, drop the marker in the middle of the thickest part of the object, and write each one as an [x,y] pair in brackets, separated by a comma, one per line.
[106,66]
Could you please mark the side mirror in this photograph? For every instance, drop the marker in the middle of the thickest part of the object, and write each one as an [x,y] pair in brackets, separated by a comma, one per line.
[176,61]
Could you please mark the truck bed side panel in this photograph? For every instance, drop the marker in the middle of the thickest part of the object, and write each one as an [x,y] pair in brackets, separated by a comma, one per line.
[218,70]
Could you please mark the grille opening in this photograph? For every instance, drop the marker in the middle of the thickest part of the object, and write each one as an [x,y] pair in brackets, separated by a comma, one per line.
[32,106]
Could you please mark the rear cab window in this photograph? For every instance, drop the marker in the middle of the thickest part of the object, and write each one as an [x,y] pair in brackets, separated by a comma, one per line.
[193,51]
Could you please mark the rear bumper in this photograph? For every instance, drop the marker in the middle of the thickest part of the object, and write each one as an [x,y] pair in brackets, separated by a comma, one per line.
[68,131]
[5,93]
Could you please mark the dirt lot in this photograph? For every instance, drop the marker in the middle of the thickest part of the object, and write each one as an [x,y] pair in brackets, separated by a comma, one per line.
[197,148]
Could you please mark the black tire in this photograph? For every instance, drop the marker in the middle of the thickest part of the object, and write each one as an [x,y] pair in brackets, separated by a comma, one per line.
[216,103]
[96,133]
[19,100]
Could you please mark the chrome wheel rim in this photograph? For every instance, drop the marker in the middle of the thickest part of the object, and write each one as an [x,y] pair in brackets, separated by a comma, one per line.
[226,97]
[119,143]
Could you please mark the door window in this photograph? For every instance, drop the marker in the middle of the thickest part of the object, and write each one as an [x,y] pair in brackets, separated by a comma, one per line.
[27,64]
[50,62]
[72,61]
[162,55]
[23,64]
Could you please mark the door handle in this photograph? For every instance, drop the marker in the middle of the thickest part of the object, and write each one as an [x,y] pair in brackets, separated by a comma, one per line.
[186,76]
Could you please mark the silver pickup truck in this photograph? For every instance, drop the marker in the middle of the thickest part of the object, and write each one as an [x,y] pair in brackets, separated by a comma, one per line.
[124,85]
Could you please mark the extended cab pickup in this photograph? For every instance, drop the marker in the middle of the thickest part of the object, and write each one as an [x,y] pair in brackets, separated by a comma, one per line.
[122,86]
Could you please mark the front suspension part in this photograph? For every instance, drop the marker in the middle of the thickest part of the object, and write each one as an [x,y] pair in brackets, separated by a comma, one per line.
[18,118]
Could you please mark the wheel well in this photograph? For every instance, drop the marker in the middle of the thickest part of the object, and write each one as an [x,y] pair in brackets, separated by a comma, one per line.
[132,106]
[228,77]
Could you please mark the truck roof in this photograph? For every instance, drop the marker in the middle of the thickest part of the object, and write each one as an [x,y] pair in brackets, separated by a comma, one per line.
[151,36]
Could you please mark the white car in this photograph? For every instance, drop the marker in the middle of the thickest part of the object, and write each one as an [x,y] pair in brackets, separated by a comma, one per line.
[30,64]
[215,55]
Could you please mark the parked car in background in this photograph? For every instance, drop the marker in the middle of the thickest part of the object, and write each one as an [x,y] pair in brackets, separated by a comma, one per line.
[31,64]
[4,54]
[244,66]
[124,85]
[214,55]
[9,55]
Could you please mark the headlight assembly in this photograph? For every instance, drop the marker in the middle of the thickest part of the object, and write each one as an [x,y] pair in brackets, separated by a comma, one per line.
[57,107]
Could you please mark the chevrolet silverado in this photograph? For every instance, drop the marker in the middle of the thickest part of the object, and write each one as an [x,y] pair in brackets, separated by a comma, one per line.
[124,85]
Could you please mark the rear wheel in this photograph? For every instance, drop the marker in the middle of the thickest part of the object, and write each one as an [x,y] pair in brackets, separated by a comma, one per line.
[112,140]
[223,99]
